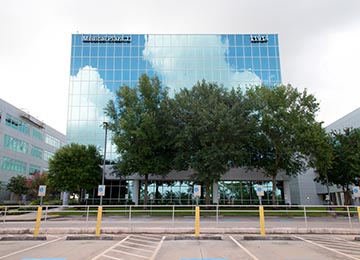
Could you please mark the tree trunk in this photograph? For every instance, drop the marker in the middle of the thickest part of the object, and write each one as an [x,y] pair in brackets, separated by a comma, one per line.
[146,190]
[207,198]
[274,200]
[347,196]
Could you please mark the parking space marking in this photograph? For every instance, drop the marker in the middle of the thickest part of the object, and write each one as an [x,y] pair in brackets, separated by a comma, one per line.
[32,247]
[109,249]
[135,246]
[243,248]
[325,247]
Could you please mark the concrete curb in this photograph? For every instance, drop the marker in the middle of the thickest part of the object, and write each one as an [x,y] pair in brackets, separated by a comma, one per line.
[22,238]
[272,238]
[203,231]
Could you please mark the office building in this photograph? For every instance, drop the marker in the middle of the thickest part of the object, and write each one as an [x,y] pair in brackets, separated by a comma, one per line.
[101,63]
[26,144]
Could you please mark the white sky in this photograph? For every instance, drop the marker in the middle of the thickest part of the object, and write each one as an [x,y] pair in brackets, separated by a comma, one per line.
[319,43]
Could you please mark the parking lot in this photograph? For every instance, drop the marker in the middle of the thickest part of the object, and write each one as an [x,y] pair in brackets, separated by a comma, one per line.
[182,247]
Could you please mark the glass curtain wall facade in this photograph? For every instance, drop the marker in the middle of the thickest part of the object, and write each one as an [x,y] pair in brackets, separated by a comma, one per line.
[101,63]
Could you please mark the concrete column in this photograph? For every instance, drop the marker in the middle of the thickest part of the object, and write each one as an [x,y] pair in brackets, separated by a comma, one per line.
[135,191]
[215,194]
[287,193]
[65,198]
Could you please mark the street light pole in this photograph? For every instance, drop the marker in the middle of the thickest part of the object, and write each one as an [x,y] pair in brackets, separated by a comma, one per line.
[103,168]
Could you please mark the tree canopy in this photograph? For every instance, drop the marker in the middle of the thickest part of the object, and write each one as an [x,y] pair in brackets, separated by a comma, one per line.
[343,169]
[75,167]
[139,120]
[286,130]
[17,185]
[209,129]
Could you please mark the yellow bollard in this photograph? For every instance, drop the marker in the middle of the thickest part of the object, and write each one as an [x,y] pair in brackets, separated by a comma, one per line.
[262,220]
[38,219]
[197,221]
[98,223]
[358,210]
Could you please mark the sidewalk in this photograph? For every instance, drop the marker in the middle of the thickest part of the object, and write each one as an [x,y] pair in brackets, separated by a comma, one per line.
[25,224]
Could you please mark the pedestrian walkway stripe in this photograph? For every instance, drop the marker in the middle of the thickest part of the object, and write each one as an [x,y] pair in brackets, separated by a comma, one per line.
[204,259]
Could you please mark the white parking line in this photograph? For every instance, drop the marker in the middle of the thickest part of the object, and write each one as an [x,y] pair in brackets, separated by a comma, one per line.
[158,248]
[29,248]
[243,248]
[325,247]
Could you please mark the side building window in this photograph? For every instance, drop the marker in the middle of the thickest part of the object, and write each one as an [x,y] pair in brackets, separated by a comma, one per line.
[47,155]
[37,134]
[15,144]
[50,140]
[17,124]
[12,165]
[36,152]
[33,169]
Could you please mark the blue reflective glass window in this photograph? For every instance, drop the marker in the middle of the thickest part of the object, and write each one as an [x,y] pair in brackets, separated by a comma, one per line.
[110,51]
[256,62]
[109,75]
[240,63]
[134,64]
[271,39]
[264,63]
[239,40]
[142,41]
[110,63]
[240,51]
[126,51]
[135,75]
[142,64]
[77,39]
[76,65]
[247,41]
[101,63]
[77,51]
[135,51]
[126,75]
[118,63]
[118,51]
[94,62]
[102,51]
[248,63]
[272,52]
[135,40]
[256,51]
[117,75]
[126,63]
[86,51]
[85,61]
[248,51]
[263,51]
[231,41]
[232,62]
[94,51]
[273,63]
[265,75]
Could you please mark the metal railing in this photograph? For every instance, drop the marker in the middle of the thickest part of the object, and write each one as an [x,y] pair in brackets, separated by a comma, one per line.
[177,215]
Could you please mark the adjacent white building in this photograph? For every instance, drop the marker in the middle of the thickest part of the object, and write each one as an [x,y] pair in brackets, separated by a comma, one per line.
[26,144]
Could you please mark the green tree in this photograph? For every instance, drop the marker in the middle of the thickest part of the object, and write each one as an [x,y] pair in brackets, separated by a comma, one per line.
[17,185]
[321,159]
[37,179]
[345,166]
[209,129]
[287,129]
[75,167]
[138,120]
